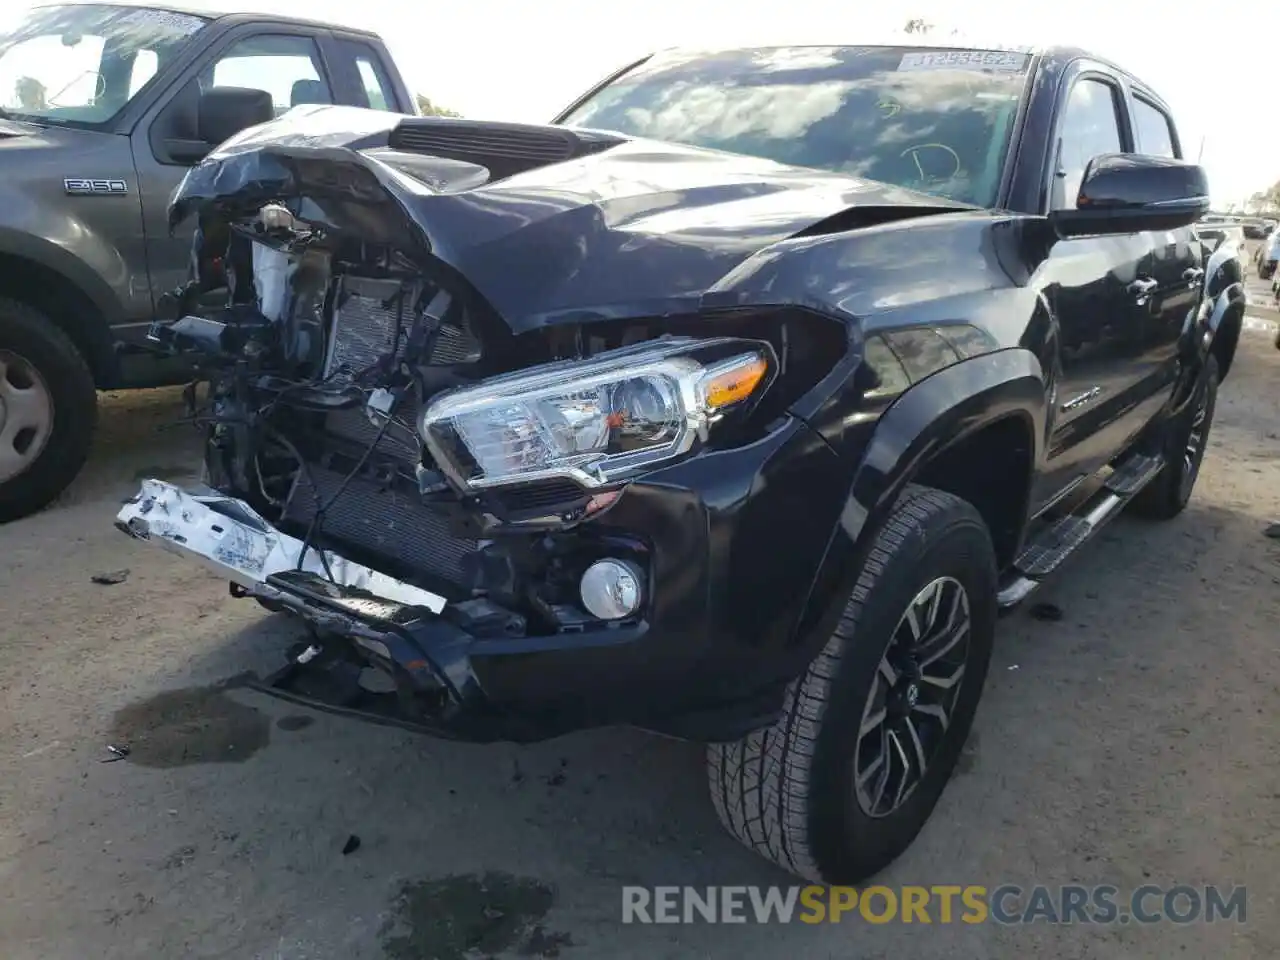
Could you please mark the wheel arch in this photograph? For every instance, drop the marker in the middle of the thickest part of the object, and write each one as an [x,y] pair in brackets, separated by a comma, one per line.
[1225,291]
[942,432]
[991,468]
[52,281]
[1226,335]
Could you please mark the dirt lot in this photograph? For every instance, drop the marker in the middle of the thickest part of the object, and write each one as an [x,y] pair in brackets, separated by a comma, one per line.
[1132,741]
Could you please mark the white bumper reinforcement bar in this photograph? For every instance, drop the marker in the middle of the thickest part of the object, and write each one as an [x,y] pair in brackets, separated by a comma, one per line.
[233,540]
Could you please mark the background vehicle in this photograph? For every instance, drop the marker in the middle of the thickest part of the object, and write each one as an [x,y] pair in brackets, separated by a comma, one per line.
[673,418]
[103,109]
[1229,238]
[1267,255]
[1215,234]
[1255,228]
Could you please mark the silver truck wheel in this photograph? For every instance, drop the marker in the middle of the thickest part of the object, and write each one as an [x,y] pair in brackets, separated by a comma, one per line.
[26,414]
[48,410]
[840,786]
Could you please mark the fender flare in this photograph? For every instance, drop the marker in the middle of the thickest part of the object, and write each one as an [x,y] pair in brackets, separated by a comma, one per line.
[1217,325]
[1228,298]
[1223,285]
[933,415]
[15,243]
[83,283]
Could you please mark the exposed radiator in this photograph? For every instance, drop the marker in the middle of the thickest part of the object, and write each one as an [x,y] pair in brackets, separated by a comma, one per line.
[390,523]
[386,522]
[364,329]
[399,441]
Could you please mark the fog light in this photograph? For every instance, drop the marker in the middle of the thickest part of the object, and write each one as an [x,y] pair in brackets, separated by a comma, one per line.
[611,589]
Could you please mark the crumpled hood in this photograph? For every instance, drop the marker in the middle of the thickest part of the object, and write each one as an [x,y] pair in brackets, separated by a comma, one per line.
[624,227]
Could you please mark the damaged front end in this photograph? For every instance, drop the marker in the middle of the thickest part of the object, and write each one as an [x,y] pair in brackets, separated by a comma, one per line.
[445,495]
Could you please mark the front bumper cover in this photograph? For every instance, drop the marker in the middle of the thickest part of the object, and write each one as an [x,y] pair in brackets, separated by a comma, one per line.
[362,618]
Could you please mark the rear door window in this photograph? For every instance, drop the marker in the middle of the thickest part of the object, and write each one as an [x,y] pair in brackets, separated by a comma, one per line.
[1153,130]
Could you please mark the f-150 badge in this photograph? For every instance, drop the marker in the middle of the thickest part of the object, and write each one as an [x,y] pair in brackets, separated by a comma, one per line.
[79,187]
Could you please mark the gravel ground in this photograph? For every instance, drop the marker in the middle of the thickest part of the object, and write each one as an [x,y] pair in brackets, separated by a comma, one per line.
[1132,741]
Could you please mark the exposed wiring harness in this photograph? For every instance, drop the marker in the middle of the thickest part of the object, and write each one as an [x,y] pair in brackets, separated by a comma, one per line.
[381,365]
[304,469]
[421,337]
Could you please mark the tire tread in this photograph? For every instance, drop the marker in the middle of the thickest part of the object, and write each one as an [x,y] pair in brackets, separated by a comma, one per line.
[761,785]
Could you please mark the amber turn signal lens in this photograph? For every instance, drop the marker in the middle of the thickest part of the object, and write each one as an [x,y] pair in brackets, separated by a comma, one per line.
[735,381]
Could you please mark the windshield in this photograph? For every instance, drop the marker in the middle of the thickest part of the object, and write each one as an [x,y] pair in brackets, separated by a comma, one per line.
[80,64]
[933,120]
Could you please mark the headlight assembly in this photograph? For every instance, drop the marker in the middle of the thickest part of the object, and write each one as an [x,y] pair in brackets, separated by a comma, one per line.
[594,421]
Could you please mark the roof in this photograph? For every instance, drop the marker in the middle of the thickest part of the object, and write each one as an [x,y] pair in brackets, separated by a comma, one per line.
[904,40]
[949,42]
[221,15]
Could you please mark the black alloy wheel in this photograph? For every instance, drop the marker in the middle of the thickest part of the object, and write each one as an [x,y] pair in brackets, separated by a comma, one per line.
[913,697]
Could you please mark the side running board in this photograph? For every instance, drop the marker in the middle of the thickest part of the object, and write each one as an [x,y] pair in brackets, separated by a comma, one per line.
[1052,545]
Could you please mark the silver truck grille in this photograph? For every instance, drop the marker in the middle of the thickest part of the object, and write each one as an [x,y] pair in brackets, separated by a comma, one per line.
[364,329]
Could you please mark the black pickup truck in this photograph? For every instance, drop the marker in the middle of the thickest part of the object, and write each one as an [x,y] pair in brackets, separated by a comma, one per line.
[103,109]
[734,404]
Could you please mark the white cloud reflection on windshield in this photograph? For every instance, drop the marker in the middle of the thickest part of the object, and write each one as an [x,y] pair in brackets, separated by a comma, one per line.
[932,130]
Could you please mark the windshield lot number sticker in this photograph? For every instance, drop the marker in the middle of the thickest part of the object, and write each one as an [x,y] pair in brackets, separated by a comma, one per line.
[998,60]
[81,187]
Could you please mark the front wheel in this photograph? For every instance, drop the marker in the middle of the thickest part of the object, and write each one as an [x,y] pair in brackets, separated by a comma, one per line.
[48,409]
[1185,439]
[841,785]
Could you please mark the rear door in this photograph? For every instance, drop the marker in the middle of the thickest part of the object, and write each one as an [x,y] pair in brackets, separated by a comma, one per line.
[1175,261]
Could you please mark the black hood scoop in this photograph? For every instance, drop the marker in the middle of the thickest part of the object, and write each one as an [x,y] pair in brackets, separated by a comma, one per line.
[505,149]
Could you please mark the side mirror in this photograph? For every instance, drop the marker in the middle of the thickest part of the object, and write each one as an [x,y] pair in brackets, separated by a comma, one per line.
[1131,193]
[224,111]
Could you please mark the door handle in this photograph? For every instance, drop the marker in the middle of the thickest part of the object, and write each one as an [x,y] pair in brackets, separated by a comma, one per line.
[1142,288]
[1193,275]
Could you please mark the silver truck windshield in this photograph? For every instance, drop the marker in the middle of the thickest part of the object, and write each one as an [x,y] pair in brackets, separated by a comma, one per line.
[934,120]
[81,64]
